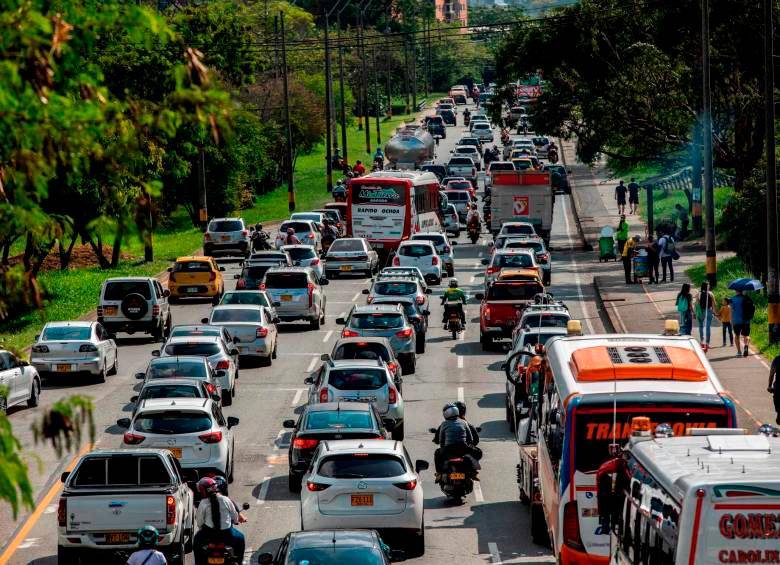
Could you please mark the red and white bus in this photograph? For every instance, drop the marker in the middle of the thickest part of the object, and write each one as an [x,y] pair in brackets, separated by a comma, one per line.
[387,207]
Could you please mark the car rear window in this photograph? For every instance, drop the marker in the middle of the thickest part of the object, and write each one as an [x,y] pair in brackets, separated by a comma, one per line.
[64,333]
[164,369]
[191,267]
[461,161]
[501,167]
[257,298]
[546,320]
[121,470]
[202,349]
[437,240]
[376,321]
[171,391]
[415,250]
[172,422]
[255,272]
[226,225]
[362,350]
[286,280]
[458,196]
[357,379]
[480,125]
[236,315]
[521,229]
[296,226]
[299,253]
[534,245]
[513,291]
[459,184]
[119,289]
[336,556]
[198,331]
[361,466]
[346,245]
[395,288]
[340,419]
[516,260]
[312,217]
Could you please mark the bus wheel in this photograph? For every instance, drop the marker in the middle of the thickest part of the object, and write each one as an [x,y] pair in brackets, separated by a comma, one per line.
[539,533]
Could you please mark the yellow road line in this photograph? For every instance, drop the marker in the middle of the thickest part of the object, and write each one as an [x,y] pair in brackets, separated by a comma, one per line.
[39,510]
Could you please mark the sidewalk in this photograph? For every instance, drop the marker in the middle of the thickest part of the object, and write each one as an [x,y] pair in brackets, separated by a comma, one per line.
[642,308]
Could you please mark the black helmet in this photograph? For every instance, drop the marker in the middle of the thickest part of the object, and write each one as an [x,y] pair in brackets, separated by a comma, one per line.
[461,408]
[147,536]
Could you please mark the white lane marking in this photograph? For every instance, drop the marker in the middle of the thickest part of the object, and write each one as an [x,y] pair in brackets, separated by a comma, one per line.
[577,282]
[530,559]
[297,398]
[50,509]
[357,295]
[28,542]
[495,556]
[473,278]
[619,318]
[460,361]
[478,492]
[263,490]
[327,336]
[460,394]
[462,336]
[312,364]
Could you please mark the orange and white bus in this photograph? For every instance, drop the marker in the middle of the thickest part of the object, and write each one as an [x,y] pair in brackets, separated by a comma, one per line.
[588,391]
[387,207]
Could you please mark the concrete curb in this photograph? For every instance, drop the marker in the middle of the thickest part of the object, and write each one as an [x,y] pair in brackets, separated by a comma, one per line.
[586,246]
[607,310]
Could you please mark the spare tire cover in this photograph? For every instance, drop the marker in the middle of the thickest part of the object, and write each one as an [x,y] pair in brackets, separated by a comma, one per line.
[134,306]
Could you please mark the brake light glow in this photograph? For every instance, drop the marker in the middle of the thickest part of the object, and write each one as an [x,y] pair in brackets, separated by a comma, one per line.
[310,236]
[435,260]
[156,310]
[210,388]
[420,299]
[310,286]
[132,439]
[314,262]
[245,233]
[392,366]
[396,261]
[315,487]
[170,510]
[409,485]
[446,249]
[369,299]
[404,333]
[261,332]
[86,348]
[299,443]
[543,256]
[392,396]
[487,313]
[207,236]
[491,270]
[324,395]
[211,437]
[223,365]
[346,332]
[62,512]
[212,276]
[571,526]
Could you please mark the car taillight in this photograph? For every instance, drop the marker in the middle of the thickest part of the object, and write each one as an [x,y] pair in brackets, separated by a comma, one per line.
[446,249]
[396,261]
[40,349]
[314,262]
[241,283]
[310,286]
[435,260]
[543,256]
[261,286]
[408,485]
[132,439]
[87,348]
[404,333]
[473,172]
[315,487]
[212,276]
[223,365]
[62,512]
[392,366]
[420,299]
[210,388]
[338,225]
[211,437]
[324,395]
[156,310]
[346,332]
[392,396]
[245,233]
[207,236]
[299,443]
[99,311]
[571,526]
[261,332]
[310,236]
[487,313]
[491,270]
[170,510]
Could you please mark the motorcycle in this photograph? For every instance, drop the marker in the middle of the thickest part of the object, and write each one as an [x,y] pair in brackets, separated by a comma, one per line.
[379,163]
[454,323]
[473,232]
[221,553]
[505,137]
[457,478]
[340,192]
[261,241]
[552,156]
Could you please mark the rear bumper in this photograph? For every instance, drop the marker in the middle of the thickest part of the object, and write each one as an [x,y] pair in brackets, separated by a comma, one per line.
[130,326]
[203,290]
[95,541]
[92,365]
[219,246]
[291,315]
[336,266]
[261,348]
[409,519]
[569,556]
[498,331]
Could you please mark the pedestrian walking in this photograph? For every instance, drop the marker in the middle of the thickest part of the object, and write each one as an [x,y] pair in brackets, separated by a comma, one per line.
[620,196]
[629,249]
[774,386]
[621,234]
[742,311]
[653,259]
[666,251]
[724,315]
[682,216]
[684,305]
[704,310]
[633,196]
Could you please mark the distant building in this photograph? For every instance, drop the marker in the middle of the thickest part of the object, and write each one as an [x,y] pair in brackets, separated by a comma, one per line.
[452,11]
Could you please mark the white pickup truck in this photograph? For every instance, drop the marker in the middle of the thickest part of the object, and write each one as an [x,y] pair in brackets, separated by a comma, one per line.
[111,493]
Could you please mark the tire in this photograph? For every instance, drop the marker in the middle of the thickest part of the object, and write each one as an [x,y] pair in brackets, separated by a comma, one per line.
[168,326]
[214,301]
[101,377]
[454,332]
[417,545]
[511,418]
[420,345]
[158,334]
[450,270]
[267,361]
[408,364]
[293,482]
[486,341]
[175,555]
[115,369]
[539,533]
[35,394]
[547,279]
[68,555]
[398,432]
[231,466]
[227,398]
[173,300]
[315,323]
[276,346]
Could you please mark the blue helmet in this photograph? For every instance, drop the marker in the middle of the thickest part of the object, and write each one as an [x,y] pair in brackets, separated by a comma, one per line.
[147,536]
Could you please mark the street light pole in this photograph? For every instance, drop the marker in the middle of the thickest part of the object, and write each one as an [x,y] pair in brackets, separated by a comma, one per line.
[773,279]
[288,129]
[376,97]
[328,116]
[709,197]
[341,91]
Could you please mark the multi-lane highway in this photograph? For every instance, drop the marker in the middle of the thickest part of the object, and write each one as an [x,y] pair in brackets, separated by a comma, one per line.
[491,526]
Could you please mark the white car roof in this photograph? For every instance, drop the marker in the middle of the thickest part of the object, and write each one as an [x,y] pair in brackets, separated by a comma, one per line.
[238,307]
[417,242]
[356,363]
[362,445]
[158,404]
[194,338]
[72,324]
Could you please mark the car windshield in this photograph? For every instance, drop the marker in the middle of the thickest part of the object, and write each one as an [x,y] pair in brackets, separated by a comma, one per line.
[296,226]
[191,267]
[170,391]
[338,419]
[300,253]
[335,556]
[458,196]
[361,466]
[546,320]
[415,250]
[172,422]
[286,280]
[513,291]
[523,229]
[357,379]
[376,321]
[236,315]
[409,308]
[226,225]
[400,271]
[346,245]
[65,333]
[395,288]
[501,167]
[204,349]
[164,369]
[516,260]
[119,289]
[437,240]
[257,298]
[362,350]
[461,161]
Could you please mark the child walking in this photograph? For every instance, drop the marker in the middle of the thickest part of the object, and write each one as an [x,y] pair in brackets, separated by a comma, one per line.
[724,315]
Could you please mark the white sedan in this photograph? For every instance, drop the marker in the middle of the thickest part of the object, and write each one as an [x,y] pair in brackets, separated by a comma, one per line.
[21,381]
[253,328]
[68,348]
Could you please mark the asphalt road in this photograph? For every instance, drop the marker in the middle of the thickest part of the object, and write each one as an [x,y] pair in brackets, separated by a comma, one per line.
[491,526]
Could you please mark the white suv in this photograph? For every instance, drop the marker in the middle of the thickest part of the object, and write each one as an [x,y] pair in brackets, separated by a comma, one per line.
[193,429]
[225,235]
[135,304]
[420,254]
[444,247]
[367,484]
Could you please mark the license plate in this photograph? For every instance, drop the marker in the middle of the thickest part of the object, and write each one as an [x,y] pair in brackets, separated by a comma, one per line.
[287,298]
[192,289]
[346,267]
[109,310]
[117,538]
[225,238]
[216,560]
[362,500]
[457,476]
[63,368]
[176,452]
[363,399]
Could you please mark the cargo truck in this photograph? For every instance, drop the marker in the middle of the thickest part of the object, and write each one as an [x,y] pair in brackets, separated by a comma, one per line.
[522,196]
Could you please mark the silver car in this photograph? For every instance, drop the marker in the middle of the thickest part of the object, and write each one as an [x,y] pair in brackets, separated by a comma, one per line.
[306,231]
[451,220]
[184,367]
[67,348]
[350,254]
[413,272]
[483,131]
[384,321]
[360,381]
[305,256]
[174,388]
[253,329]
[299,294]
[398,287]
[227,235]
[256,297]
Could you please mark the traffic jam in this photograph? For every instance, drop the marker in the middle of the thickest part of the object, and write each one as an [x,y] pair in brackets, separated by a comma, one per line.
[409,338]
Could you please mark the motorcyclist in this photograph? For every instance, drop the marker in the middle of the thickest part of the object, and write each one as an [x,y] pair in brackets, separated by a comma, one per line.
[146,553]
[453,436]
[474,434]
[466,116]
[259,238]
[379,157]
[454,294]
[359,169]
[340,190]
[222,488]
[215,517]
[329,231]
[473,218]
[291,238]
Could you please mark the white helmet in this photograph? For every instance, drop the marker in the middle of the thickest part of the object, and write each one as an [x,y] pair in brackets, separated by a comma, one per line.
[450,411]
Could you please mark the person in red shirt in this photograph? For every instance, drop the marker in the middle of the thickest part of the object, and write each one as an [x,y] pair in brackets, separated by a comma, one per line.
[359,169]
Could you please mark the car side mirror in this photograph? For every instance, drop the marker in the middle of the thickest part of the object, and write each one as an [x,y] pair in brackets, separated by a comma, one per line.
[420,465]
[265,559]
[484,261]
[432,430]
[428,291]
[222,269]
[37,337]
[232,422]
[388,423]
[123,423]
[236,339]
[308,381]
[490,244]
[277,320]
[453,243]
[64,476]
[237,276]
[216,398]
[166,293]
[23,363]
[233,352]
[397,555]
[479,296]
[568,171]
[324,281]
[276,304]
[134,399]
[364,291]
[289,424]
[325,357]
[169,269]
[341,321]
[156,353]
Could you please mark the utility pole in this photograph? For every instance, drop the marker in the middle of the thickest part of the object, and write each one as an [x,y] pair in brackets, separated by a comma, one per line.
[376,97]
[773,282]
[341,91]
[414,64]
[203,213]
[328,115]
[389,90]
[406,77]
[709,197]
[290,166]
[696,188]
[364,81]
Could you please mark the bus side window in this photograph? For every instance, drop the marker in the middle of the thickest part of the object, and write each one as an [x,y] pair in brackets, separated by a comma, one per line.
[553,428]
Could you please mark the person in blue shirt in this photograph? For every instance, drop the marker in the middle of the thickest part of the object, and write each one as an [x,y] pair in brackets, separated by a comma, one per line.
[740,322]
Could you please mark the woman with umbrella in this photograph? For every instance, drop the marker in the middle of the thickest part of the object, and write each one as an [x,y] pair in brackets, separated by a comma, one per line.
[742,311]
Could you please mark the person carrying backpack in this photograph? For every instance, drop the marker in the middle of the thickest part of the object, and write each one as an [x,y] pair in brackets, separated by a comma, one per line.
[684,305]
[742,311]
[667,252]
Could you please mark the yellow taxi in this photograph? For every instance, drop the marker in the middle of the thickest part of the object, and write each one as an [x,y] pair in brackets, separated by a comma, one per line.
[196,277]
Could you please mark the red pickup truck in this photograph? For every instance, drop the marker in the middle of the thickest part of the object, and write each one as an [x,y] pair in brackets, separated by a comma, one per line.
[501,308]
